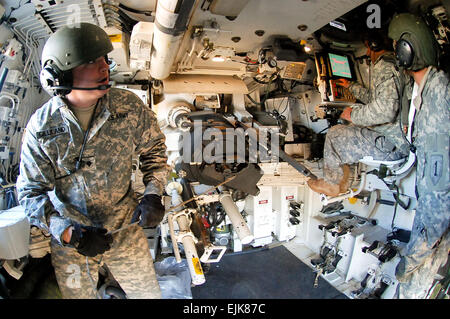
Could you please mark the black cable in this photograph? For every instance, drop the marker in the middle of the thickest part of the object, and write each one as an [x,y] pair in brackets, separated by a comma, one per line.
[120,21]
[213,213]
[146,12]
[212,217]
[395,214]
[254,102]
[114,13]
[131,22]
[221,218]
[287,105]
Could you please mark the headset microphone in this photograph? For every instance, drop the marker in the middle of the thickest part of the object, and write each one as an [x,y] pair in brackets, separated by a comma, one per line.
[101,87]
[57,82]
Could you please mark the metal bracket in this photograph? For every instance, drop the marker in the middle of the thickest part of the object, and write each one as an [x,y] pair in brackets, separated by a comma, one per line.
[328,200]
[206,199]
[12,270]
[209,250]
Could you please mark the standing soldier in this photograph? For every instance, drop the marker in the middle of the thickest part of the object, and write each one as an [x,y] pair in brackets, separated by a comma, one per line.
[76,165]
[417,52]
[373,129]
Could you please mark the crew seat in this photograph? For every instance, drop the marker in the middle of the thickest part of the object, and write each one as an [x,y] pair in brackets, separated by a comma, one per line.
[376,174]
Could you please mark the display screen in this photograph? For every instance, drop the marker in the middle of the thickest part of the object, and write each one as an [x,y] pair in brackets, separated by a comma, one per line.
[340,66]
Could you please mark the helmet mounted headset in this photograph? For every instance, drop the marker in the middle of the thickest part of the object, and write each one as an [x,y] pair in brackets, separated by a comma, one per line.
[416,46]
[66,49]
[69,47]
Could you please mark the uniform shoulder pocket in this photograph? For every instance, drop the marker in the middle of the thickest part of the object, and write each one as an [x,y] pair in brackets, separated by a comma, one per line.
[437,162]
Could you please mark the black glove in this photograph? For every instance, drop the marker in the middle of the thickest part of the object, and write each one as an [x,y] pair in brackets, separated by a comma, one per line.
[90,241]
[150,211]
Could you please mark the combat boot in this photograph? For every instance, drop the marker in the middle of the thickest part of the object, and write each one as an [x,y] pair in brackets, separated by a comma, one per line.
[344,184]
[323,187]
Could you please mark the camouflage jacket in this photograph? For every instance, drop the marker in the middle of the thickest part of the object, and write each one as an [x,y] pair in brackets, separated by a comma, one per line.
[431,137]
[54,194]
[381,106]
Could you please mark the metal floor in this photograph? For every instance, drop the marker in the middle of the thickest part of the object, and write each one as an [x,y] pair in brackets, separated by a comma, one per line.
[263,274]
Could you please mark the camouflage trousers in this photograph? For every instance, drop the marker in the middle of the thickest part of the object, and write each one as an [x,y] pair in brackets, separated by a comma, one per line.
[420,267]
[347,144]
[129,260]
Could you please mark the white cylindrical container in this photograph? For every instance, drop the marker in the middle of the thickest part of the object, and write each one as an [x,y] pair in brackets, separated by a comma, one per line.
[14,233]
[170,25]
[239,224]
[195,268]
[164,54]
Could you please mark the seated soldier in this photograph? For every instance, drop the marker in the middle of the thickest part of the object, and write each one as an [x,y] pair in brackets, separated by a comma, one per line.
[373,130]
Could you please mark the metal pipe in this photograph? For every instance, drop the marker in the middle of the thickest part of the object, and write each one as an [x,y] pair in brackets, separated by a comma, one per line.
[188,240]
[12,98]
[170,25]
[185,235]
[173,214]
[174,189]
[239,224]
[176,251]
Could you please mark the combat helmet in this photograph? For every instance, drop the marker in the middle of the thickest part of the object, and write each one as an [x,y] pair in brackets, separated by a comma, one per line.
[416,47]
[67,48]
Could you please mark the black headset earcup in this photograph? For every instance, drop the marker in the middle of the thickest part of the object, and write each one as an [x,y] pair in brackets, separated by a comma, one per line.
[51,77]
[404,53]
[376,41]
[48,78]
[375,45]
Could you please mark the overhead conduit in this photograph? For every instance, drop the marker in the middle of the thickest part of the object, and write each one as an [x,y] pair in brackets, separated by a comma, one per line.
[170,25]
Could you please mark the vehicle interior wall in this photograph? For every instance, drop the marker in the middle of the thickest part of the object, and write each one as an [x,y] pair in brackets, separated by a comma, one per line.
[258,64]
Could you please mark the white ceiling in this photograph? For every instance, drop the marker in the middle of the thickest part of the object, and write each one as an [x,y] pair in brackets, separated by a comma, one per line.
[280,17]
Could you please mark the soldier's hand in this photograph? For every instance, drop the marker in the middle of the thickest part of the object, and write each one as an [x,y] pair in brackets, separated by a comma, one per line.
[346,114]
[90,241]
[343,82]
[149,212]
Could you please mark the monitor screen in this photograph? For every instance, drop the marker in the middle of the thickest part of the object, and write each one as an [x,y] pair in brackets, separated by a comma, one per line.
[340,66]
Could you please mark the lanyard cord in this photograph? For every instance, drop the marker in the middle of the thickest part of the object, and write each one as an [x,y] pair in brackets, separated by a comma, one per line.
[79,160]
[399,85]
[78,163]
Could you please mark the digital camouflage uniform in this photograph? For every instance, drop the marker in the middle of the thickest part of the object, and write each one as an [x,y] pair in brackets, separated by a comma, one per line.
[100,193]
[429,244]
[375,130]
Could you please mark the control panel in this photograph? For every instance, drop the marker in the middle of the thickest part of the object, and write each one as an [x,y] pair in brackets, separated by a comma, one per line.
[331,67]
[340,93]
